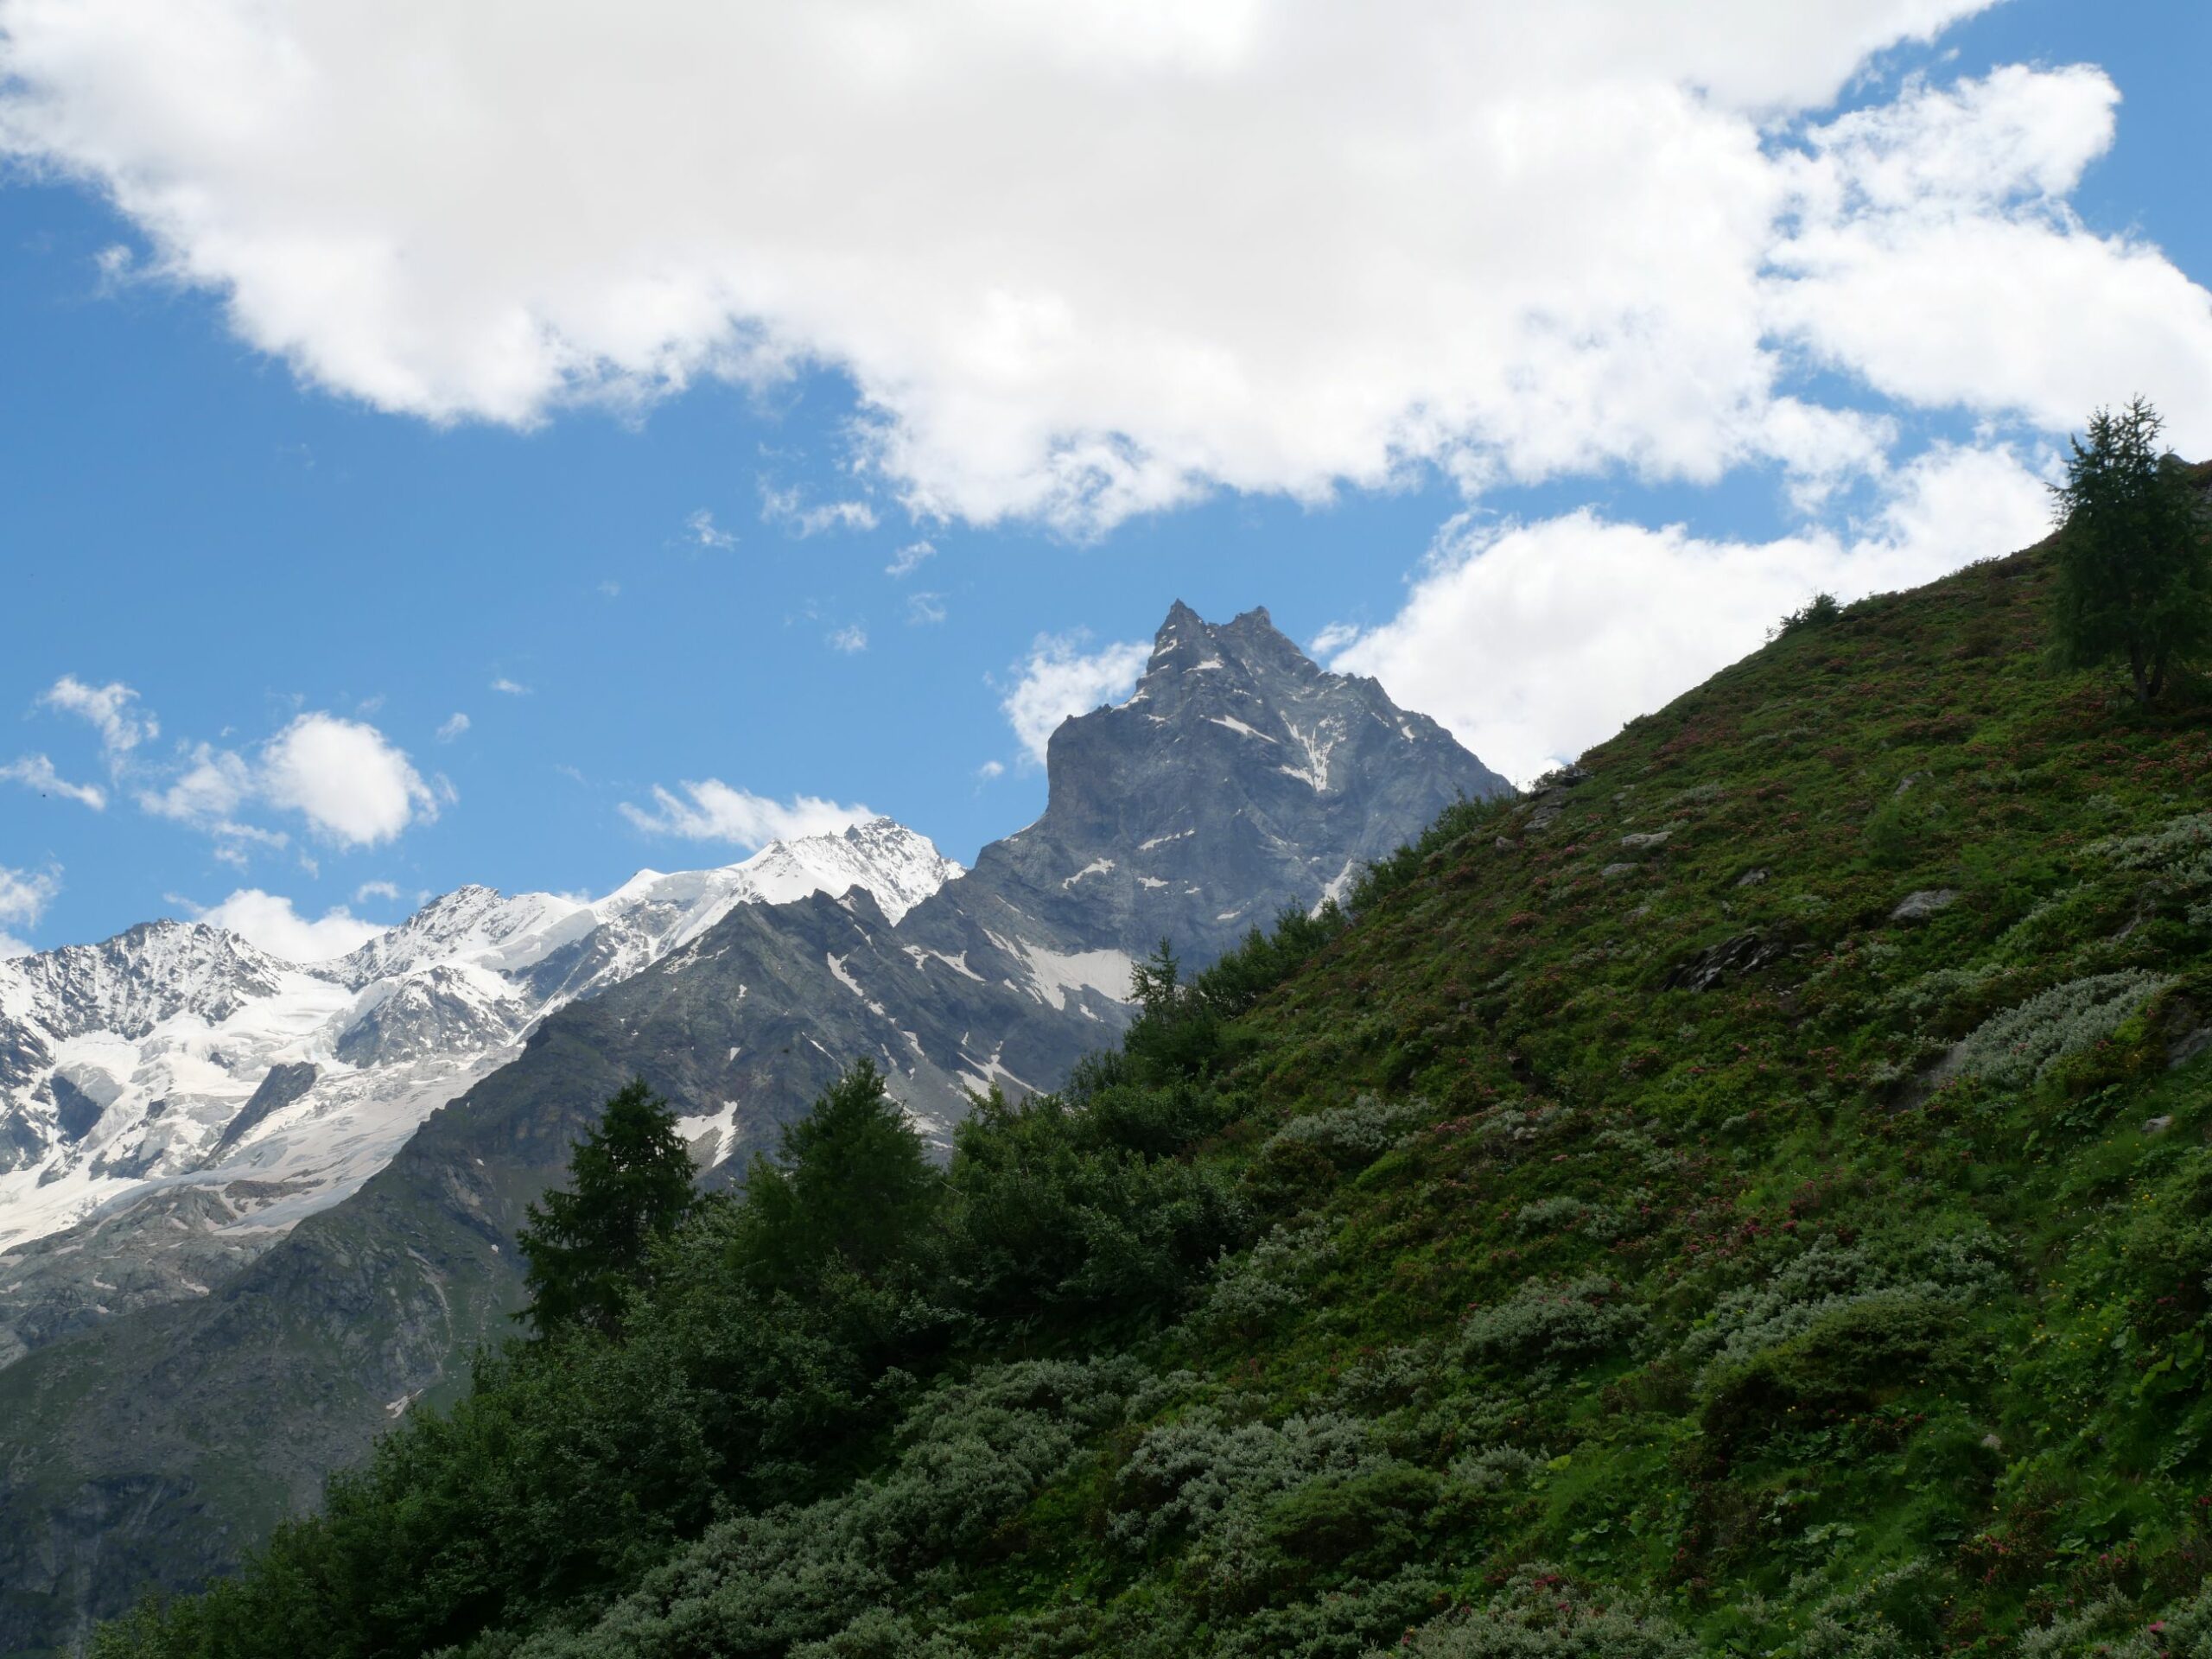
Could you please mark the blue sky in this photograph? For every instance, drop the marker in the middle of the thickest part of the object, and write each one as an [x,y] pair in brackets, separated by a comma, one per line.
[307,516]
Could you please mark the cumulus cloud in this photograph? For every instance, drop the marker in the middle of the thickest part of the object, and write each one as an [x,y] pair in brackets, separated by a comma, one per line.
[1061,678]
[850,640]
[925,609]
[351,783]
[269,921]
[1933,238]
[36,771]
[113,710]
[387,891]
[451,726]
[25,895]
[1531,642]
[712,810]
[507,688]
[1241,242]
[345,778]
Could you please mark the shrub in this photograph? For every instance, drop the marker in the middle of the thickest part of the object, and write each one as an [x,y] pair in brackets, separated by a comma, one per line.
[1854,1355]
[969,1458]
[1216,1485]
[1543,1324]
[1557,1215]
[1818,612]
[1959,1270]
[1540,1615]
[2019,1046]
[1365,1521]
[1275,1276]
[1304,1159]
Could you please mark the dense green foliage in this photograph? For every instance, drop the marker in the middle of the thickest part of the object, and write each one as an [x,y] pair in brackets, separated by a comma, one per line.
[1750,1195]
[2134,553]
[589,1246]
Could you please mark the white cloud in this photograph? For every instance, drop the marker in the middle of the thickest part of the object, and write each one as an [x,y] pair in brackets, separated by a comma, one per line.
[714,812]
[908,559]
[346,778]
[991,769]
[25,895]
[267,920]
[387,891]
[1061,679]
[112,709]
[1239,243]
[350,782]
[507,688]
[1531,642]
[702,530]
[1333,638]
[213,784]
[788,508]
[451,726]
[850,640]
[925,609]
[1934,241]
[36,771]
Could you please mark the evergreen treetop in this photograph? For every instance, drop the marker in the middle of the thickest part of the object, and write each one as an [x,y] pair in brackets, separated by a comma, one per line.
[850,1186]
[589,1248]
[2134,553]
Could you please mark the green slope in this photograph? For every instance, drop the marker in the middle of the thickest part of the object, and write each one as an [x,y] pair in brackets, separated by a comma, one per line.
[1751,1197]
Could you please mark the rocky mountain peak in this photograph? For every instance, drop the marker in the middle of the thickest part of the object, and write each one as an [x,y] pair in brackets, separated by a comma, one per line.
[1238,767]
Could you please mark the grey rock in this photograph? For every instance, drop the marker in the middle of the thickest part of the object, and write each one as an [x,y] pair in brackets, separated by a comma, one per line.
[279,1088]
[2188,1047]
[2158,1125]
[1752,878]
[1746,953]
[1919,906]
[1615,872]
[1645,841]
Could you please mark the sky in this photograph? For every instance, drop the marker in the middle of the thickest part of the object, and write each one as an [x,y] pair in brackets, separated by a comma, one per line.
[477,443]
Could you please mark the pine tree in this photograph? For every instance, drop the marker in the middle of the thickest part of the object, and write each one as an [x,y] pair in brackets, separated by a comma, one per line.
[852,1185]
[2134,556]
[589,1246]
[1156,984]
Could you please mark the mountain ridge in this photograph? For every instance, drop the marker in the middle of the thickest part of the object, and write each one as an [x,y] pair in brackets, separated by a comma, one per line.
[1005,975]
[128,1068]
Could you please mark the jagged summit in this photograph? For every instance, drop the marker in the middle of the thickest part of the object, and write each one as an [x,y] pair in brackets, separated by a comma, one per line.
[1236,771]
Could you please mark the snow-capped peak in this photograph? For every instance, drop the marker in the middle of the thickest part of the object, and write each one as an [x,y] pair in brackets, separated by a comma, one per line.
[129,1065]
[899,868]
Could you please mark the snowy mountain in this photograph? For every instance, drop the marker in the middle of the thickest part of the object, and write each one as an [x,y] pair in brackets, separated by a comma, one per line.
[174,1086]
[1237,779]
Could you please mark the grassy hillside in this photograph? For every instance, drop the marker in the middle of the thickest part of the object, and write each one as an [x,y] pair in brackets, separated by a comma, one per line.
[1752,1196]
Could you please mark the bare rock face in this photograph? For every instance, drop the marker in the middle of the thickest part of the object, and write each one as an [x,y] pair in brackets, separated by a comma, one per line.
[1238,779]
[1919,906]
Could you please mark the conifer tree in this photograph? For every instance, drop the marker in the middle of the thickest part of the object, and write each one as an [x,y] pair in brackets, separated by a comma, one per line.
[2135,554]
[1156,984]
[629,1186]
[851,1186]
